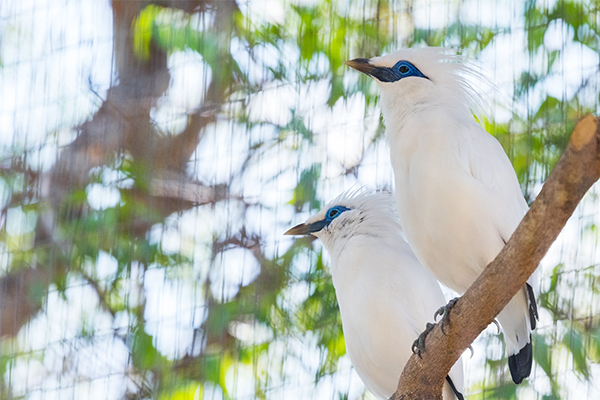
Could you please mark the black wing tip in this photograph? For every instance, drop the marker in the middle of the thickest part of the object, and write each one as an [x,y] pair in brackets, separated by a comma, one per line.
[533,311]
[520,364]
[458,394]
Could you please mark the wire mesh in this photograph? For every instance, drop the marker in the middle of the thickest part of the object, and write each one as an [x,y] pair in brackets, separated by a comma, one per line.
[153,153]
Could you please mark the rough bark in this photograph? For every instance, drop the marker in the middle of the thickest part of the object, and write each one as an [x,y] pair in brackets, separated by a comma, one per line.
[574,174]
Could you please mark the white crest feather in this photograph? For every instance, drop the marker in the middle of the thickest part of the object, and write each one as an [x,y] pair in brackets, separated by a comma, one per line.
[379,206]
[363,199]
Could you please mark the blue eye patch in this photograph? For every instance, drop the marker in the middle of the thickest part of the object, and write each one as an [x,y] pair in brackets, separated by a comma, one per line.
[334,212]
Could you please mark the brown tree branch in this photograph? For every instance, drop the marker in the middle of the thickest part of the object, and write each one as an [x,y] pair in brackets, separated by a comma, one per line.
[574,174]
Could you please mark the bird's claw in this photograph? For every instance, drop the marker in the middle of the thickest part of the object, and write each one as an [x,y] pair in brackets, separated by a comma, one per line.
[440,311]
[444,312]
[418,345]
[497,325]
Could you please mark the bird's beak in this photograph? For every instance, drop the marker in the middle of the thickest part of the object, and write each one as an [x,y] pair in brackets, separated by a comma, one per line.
[362,65]
[301,229]
[382,74]
[307,229]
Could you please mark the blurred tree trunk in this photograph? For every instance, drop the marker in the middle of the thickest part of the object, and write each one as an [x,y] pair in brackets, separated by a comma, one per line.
[122,125]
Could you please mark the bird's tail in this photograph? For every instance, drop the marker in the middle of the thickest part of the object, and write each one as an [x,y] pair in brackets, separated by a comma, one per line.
[520,364]
[518,319]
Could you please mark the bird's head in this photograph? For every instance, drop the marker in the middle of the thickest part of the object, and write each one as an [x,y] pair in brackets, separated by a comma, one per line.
[426,77]
[351,214]
[326,222]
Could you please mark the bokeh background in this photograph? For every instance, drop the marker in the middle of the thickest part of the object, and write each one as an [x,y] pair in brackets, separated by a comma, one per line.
[152,153]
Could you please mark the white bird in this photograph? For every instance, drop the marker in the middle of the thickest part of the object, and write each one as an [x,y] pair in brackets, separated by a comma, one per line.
[385,295]
[458,196]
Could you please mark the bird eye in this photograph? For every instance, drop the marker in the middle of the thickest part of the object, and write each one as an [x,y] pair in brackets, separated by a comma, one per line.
[334,212]
[402,69]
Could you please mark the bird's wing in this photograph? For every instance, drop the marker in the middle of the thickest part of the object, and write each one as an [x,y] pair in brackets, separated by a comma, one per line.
[384,308]
[488,164]
[485,159]
[457,376]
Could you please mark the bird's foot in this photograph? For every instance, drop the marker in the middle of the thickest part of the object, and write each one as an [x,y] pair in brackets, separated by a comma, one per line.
[444,311]
[472,351]
[495,321]
[418,345]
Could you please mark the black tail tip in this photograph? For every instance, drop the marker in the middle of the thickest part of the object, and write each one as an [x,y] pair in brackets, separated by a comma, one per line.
[520,364]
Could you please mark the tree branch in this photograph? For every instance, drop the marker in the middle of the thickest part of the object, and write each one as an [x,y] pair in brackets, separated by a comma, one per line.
[574,174]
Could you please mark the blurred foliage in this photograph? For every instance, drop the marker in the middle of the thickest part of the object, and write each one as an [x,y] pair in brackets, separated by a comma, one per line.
[292,295]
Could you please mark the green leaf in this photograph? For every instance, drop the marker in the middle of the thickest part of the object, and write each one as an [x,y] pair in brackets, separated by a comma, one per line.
[306,190]
[542,354]
[142,28]
[143,353]
[574,342]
